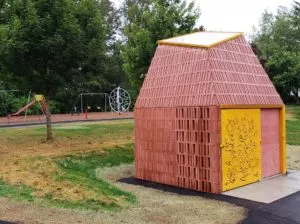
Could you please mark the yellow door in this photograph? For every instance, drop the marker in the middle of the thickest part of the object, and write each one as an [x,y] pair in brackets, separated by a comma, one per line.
[240,146]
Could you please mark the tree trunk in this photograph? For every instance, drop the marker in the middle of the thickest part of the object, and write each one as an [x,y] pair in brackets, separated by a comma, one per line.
[49,125]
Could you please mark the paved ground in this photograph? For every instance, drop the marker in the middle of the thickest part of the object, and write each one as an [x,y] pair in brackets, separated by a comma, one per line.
[283,211]
[59,118]
[269,190]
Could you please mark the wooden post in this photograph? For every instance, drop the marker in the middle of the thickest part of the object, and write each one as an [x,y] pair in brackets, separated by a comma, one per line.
[86,114]
[49,125]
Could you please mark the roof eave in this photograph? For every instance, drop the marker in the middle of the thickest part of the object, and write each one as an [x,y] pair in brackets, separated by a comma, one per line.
[166,42]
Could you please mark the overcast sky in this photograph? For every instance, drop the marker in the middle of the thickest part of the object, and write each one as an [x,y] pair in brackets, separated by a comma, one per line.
[234,15]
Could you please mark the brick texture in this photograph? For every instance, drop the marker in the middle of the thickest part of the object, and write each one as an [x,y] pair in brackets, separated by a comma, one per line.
[177,113]
[229,73]
[179,147]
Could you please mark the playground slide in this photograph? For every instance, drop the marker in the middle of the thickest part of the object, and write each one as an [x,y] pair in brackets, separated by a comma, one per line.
[24,108]
[43,105]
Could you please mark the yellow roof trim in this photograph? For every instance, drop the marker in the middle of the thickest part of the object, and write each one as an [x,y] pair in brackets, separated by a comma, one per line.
[167,42]
[183,44]
[252,106]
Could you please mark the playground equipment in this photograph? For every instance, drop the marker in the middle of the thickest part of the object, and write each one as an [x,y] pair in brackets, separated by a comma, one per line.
[208,117]
[119,100]
[40,99]
[85,100]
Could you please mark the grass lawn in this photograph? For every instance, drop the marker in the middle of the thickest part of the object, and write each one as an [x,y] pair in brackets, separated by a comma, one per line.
[62,172]
[293,136]
[293,125]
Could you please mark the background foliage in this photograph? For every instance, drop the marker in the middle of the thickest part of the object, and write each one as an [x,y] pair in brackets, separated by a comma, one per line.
[277,43]
[61,48]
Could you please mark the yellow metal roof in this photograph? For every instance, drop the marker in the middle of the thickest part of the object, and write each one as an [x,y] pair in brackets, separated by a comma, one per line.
[202,39]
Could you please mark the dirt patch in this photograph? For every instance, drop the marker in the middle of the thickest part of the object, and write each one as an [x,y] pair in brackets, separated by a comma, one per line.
[154,207]
[39,119]
[293,156]
[290,116]
[113,174]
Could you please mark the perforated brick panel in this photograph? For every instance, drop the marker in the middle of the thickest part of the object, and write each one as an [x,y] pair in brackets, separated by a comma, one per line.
[179,147]
[198,158]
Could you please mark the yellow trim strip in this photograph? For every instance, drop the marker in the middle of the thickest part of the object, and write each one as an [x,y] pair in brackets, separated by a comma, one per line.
[254,106]
[182,44]
[168,42]
[282,141]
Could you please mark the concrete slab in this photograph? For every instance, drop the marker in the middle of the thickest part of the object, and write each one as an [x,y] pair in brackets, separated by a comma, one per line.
[283,211]
[269,190]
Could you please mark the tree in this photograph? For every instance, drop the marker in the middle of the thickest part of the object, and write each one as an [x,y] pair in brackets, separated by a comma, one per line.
[146,22]
[56,48]
[278,46]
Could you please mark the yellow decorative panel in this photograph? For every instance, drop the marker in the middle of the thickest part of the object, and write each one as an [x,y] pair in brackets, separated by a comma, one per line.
[240,147]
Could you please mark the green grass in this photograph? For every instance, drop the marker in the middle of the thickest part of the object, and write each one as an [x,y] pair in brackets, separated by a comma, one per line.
[293,126]
[103,130]
[79,169]
[95,130]
[21,193]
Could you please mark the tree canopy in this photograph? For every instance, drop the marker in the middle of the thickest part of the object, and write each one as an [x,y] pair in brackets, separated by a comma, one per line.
[58,47]
[278,45]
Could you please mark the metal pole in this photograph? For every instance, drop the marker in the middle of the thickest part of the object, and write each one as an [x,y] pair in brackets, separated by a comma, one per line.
[81,103]
[118,99]
[105,102]
[27,108]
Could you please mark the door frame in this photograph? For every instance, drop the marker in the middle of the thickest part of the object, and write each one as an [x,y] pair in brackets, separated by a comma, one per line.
[282,126]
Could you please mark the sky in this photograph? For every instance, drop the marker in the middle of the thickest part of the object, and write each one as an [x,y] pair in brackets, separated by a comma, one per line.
[234,15]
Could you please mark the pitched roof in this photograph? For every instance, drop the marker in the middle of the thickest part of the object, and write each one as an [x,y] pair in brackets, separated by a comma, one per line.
[201,39]
[227,74]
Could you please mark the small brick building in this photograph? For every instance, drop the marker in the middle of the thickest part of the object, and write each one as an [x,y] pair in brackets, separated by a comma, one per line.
[208,118]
